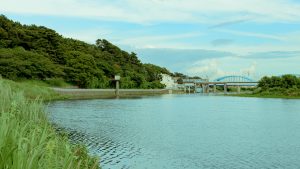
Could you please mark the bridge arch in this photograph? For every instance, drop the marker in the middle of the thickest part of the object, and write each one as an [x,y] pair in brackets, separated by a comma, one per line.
[234,78]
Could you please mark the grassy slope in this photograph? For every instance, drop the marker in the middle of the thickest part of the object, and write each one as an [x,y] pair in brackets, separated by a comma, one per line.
[27,139]
[32,89]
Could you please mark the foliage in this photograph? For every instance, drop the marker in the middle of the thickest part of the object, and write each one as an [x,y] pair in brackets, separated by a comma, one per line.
[285,81]
[177,74]
[18,63]
[286,86]
[28,141]
[36,52]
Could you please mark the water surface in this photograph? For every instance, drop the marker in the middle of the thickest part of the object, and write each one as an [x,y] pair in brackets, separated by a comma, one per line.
[185,131]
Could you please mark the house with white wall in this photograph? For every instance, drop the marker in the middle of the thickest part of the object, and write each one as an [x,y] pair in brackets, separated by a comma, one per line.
[169,81]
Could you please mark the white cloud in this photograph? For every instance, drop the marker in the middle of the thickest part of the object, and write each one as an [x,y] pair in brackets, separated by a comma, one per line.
[255,69]
[289,42]
[88,35]
[208,68]
[149,11]
[213,13]
[251,70]
[155,41]
[214,68]
[253,34]
[117,10]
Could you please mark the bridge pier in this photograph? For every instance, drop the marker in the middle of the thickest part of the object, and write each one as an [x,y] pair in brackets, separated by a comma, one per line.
[215,88]
[207,88]
[205,85]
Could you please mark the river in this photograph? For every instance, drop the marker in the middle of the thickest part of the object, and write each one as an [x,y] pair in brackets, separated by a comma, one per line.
[185,131]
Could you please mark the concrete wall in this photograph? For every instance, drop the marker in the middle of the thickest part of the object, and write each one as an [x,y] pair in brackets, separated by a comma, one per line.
[108,93]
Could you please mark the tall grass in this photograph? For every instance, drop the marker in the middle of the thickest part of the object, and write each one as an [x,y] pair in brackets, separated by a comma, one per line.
[57,82]
[27,139]
[32,89]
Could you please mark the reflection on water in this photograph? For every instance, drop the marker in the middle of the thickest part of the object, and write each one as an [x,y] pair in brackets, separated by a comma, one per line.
[185,131]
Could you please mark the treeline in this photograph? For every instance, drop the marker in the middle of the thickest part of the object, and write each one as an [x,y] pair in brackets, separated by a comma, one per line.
[36,52]
[286,86]
[285,81]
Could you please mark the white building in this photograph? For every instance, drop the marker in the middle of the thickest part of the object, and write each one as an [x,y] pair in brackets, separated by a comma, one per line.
[168,81]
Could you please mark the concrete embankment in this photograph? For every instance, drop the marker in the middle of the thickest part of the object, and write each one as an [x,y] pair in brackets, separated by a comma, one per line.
[110,93]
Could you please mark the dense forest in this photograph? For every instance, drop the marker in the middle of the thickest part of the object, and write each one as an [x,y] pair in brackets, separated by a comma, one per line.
[39,53]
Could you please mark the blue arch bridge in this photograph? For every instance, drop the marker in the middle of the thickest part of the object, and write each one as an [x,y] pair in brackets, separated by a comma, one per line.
[225,81]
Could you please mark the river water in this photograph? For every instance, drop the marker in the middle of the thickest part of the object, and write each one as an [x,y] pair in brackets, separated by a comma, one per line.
[185,131]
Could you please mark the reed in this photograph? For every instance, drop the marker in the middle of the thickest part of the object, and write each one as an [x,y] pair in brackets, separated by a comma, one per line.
[27,139]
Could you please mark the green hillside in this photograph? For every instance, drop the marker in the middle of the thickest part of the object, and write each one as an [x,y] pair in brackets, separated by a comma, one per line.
[39,53]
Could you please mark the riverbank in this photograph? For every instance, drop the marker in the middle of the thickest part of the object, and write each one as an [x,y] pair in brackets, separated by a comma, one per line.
[110,93]
[28,140]
[291,93]
[266,96]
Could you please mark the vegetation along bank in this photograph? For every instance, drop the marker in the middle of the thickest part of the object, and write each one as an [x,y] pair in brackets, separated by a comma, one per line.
[27,139]
[286,86]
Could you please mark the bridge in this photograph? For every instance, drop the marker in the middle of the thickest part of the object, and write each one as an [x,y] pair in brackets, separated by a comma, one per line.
[232,80]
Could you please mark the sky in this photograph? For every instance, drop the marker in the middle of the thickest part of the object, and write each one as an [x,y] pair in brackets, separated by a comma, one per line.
[197,37]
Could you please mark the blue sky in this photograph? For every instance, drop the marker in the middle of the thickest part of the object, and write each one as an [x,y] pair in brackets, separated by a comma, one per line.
[197,37]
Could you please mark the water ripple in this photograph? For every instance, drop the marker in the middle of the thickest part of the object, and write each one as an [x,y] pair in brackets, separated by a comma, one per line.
[185,131]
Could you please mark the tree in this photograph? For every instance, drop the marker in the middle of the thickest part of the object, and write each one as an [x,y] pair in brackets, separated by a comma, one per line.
[37,52]
[285,81]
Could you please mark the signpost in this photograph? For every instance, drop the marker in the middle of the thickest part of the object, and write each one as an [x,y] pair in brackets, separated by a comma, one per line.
[117,79]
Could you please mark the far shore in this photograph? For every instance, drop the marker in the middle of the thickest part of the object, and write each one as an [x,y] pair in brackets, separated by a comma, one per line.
[111,93]
[75,93]
[265,96]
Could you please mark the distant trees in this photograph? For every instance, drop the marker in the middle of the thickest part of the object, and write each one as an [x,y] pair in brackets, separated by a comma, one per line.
[177,74]
[285,81]
[36,52]
[279,86]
